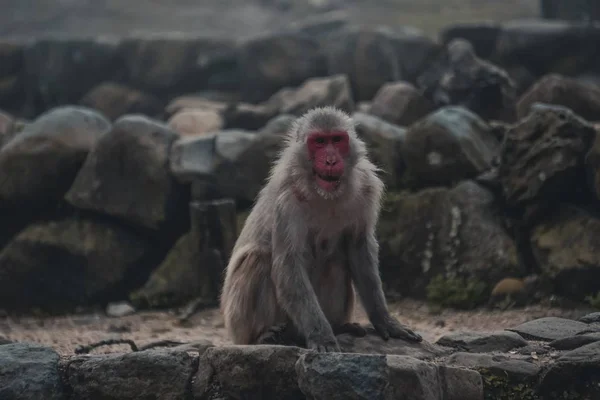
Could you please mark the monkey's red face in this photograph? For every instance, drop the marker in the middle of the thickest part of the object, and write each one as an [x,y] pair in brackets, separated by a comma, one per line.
[328,152]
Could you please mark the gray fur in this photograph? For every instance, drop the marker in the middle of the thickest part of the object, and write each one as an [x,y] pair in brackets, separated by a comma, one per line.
[301,249]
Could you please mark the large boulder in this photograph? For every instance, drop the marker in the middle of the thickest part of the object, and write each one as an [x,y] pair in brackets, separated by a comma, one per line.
[39,164]
[400,103]
[7,125]
[575,372]
[28,372]
[315,92]
[193,268]
[230,163]
[61,71]
[481,34]
[582,99]
[172,64]
[367,57]
[115,100]
[446,244]
[543,154]
[544,46]
[63,264]
[449,145]
[459,77]
[567,251]
[196,122]
[127,176]
[592,164]
[270,63]
[384,143]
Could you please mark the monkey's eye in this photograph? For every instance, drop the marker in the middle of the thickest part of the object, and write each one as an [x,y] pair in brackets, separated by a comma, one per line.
[320,140]
[337,139]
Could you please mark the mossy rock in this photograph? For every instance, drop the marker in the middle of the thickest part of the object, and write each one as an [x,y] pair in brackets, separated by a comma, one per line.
[453,233]
[182,276]
[59,265]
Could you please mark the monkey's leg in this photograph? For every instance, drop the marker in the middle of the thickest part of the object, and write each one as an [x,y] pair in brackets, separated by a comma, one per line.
[365,273]
[282,334]
[336,296]
[353,328]
[248,300]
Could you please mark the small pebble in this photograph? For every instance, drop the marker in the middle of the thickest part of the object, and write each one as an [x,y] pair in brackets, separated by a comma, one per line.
[119,309]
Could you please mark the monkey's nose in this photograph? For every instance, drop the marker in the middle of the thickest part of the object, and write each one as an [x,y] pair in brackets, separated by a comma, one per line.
[330,161]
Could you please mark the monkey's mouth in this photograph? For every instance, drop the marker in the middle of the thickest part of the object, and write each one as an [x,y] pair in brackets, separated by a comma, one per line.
[328,182]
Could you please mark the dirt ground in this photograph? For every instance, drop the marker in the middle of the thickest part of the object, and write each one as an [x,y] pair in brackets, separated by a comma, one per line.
[66,333]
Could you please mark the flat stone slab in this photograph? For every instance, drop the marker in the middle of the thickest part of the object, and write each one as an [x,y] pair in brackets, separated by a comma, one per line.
[574,342]
[29,371]
[593,318]
[551,328]
[482,342]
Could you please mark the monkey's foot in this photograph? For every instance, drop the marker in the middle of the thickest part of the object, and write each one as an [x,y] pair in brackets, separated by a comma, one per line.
[353,328]
[281,334]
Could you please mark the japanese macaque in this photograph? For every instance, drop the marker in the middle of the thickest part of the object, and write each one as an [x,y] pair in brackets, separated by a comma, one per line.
[308,239]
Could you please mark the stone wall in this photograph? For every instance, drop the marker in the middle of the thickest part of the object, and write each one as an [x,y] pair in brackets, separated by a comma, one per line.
[545,359]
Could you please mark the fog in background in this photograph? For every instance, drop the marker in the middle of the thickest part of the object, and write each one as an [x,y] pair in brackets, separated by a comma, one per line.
[240,18]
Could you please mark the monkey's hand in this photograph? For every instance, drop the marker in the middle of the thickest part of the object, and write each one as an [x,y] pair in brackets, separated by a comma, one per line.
[388,326]
[323,343]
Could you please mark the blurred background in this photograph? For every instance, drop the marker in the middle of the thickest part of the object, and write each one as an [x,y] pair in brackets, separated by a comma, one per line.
[135,135]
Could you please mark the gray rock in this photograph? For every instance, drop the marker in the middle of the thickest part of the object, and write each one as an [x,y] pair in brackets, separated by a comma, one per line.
[542,155]
[550,328]
[29,371]
[151,374]
[400,103]
[567,257]
[500,365]
[115,100]
[366,376]
[248,372]
[583,99]
[482,342]
[576,372]
[230,163]
[119,309]
[384,141]
[543,40]
[57,265]
[180,63]
[371,57]
[61,70]
[314,92]
[39,164]
[574,342]
[127,176]
[452,238]
[292,58]
[449,145]
[245,116]
[591,318]
[372,343]
[459,77]
[279,125]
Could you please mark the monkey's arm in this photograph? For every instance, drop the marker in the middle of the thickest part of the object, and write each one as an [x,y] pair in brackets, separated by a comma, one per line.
[294,291]
[363,252]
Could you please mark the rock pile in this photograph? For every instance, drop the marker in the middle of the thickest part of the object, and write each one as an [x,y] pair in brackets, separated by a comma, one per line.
[130,182]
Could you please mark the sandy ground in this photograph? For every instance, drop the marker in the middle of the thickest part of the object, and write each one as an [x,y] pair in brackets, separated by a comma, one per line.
[66,333]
